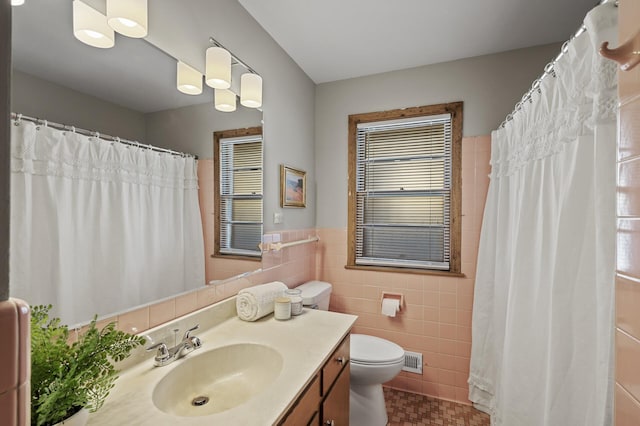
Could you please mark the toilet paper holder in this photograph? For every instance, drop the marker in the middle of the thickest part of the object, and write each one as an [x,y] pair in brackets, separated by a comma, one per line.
[388,295]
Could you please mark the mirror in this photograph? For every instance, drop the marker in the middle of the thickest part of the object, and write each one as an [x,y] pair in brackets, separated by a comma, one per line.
[128,91]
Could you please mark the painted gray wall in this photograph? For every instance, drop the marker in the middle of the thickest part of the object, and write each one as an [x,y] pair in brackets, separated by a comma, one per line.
[190,129]
[488,85]
[288,92]
[39,98]
[5,154]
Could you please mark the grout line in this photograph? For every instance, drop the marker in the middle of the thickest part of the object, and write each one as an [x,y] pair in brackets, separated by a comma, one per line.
[628,159]
[629,394]
[625,333]
[629,278]
[628,100]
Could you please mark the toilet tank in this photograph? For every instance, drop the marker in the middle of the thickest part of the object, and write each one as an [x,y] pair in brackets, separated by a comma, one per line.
[316,294]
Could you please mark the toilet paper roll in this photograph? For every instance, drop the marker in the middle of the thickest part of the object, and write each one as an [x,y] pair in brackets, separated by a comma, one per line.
[390,307]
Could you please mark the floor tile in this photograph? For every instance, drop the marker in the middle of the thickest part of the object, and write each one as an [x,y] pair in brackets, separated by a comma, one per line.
[408,409]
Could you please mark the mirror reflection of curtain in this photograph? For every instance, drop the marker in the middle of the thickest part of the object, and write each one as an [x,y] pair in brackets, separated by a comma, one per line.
[543,307]
[98,227]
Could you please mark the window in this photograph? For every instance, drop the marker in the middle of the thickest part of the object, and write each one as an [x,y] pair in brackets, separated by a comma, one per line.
[238,198]
[404,188]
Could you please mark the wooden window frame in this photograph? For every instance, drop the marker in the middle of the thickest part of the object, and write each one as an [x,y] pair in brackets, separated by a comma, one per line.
[217,136]
[453,108]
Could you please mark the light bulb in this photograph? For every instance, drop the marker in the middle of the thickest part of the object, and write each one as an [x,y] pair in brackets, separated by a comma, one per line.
[218,68]
[251,90]
[128,17]
[90,26]
[188,79]
[225,100]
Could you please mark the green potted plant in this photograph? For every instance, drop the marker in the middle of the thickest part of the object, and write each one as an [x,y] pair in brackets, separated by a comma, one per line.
[67,379]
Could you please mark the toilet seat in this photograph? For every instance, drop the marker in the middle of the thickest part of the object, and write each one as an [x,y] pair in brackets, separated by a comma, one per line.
[371,350]
[381,364]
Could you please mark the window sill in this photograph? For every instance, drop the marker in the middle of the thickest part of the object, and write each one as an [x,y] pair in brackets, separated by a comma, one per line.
[236,257]
[406,270]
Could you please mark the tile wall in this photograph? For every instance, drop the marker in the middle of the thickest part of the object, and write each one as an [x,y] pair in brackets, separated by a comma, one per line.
[627,388]
[436,320]
[15,363]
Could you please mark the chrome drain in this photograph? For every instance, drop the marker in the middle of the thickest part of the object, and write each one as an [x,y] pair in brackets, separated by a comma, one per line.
[199,401]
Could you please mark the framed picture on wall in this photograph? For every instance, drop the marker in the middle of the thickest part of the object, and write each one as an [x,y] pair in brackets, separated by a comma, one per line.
[293,187]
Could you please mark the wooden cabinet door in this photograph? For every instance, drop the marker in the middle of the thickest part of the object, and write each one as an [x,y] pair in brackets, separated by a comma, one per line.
[335,408]
[334,365]
[306,406]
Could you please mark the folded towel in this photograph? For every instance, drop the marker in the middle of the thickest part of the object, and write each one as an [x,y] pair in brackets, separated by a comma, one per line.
[255,302]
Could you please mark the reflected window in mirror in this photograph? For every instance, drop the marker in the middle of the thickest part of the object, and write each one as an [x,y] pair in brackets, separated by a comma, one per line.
[238,195]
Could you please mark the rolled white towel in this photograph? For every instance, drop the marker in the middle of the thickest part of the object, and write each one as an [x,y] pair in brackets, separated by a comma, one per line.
[255,302]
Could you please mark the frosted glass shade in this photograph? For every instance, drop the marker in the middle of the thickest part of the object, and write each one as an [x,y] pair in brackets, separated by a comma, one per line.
[251,90]
[188,79]
[218,68]
[225,100]
[90,26]
[128,17]
[17,2]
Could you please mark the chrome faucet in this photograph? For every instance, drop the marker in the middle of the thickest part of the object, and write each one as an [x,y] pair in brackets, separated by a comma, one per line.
[166,355]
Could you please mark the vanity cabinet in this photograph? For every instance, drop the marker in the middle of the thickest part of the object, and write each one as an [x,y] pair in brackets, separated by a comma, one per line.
[326,397]
[335,407]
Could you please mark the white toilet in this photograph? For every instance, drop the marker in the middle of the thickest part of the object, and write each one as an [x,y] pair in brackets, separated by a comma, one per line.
[373,362]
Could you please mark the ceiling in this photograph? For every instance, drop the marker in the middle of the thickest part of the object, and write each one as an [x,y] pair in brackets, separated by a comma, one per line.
[337,39]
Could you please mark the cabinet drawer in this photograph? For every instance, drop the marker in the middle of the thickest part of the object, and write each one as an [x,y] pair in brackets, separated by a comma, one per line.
[334,365]
[306,407]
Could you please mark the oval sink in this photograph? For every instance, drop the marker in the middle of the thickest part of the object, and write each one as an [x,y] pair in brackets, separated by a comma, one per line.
[217,380]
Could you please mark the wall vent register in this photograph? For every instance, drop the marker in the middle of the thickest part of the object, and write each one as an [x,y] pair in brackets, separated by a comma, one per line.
[412,362]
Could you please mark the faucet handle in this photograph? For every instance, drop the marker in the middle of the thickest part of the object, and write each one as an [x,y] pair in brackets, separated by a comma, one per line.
[195,342]
[163,351]
[161,346]
[187,334]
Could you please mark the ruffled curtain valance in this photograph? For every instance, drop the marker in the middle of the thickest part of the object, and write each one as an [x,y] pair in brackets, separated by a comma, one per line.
[581,94]
[41,150]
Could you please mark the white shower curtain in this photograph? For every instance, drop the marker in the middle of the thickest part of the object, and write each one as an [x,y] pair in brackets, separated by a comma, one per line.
[542,316]
[98,227]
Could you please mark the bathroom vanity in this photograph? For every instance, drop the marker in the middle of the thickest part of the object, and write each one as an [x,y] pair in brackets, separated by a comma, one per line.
[327,396]
[266,372]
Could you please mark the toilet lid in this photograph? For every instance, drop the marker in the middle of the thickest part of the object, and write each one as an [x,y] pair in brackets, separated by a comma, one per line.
[371,349]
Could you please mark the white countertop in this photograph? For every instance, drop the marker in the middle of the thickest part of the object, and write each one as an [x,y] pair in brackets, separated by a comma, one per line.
[305,343]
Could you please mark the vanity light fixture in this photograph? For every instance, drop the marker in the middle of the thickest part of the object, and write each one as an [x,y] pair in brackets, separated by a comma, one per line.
[251,90]
[128,17]
[218,68]
[224,100]
[188,79]
[90,26]
[17,2]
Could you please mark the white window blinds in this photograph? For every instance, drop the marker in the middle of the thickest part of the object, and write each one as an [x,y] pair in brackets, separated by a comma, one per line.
[403,192]
[241,195]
